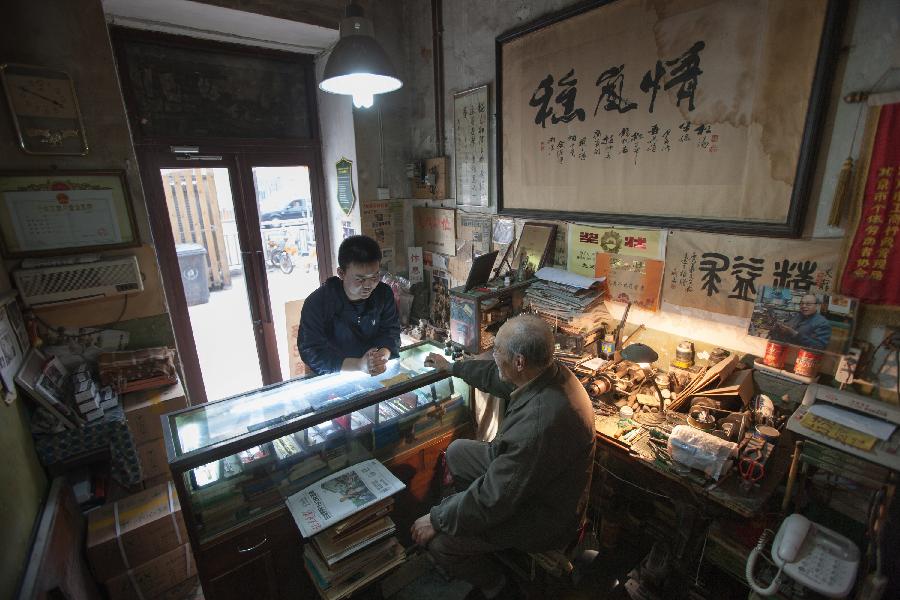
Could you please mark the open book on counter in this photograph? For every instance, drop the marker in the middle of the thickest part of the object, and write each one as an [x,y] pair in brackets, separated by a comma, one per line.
[341,495]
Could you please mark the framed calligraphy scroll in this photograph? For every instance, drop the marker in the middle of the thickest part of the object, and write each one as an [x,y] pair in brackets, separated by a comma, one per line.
[471,118]
[669,115]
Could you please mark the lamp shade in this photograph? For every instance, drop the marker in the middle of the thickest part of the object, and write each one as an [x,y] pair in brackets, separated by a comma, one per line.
[358,66]
[640,353]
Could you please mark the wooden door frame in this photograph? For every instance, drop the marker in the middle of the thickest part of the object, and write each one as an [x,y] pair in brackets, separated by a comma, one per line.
[250,224]
[239,162]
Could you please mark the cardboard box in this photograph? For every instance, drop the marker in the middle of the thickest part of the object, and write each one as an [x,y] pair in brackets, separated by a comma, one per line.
[154,462]
[143,410]
[134,530]
[154,577]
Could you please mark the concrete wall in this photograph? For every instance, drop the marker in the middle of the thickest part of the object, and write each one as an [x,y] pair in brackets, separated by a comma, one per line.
[336,125]
[382,142]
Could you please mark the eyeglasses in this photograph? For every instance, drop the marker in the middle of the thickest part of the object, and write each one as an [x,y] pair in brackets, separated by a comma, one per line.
[367,278]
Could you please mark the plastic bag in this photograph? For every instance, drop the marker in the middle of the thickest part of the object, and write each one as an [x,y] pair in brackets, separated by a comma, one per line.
[700,450]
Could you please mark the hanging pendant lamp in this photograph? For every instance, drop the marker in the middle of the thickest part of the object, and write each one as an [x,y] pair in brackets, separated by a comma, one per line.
[358,66]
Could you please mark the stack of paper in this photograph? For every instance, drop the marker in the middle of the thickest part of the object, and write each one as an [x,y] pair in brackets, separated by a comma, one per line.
[567,300]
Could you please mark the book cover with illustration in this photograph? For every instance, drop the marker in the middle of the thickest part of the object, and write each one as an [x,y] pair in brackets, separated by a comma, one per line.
[341,495]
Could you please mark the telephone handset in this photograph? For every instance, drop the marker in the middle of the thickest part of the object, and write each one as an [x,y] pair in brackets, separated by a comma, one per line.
[815,556]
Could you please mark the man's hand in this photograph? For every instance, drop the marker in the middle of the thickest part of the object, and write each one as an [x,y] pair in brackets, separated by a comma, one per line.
[422,530]
[373,362]
[437,361]
[376,360]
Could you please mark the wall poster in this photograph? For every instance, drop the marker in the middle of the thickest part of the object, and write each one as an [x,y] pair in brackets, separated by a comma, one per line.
[723,274]
[471,118]
[675,114]
[435,229]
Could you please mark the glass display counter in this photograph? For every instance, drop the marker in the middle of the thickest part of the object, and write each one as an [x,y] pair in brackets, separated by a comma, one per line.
[237,459]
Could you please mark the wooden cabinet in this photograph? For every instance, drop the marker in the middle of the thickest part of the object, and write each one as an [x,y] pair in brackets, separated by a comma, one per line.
[263,561]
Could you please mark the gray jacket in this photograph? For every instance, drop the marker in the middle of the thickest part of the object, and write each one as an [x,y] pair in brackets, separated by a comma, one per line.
[536,487]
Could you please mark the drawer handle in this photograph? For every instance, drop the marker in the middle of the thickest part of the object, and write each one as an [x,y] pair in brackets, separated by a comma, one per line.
[252,548]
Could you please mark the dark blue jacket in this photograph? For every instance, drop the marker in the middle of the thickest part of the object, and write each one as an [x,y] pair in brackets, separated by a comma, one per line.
[333,328]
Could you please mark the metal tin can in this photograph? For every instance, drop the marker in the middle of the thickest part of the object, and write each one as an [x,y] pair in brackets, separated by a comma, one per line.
[608,347]
[684,355]
[807,363]
[774,355]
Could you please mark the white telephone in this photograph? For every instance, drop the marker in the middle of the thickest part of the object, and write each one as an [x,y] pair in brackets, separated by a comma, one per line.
[815,556]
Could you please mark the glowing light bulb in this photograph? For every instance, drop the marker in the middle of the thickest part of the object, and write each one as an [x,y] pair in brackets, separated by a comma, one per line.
[363,99]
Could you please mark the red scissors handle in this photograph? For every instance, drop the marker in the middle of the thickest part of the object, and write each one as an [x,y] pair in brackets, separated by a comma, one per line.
[751,470]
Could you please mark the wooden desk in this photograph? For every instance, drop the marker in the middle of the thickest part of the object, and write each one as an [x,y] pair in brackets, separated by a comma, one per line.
[725,493]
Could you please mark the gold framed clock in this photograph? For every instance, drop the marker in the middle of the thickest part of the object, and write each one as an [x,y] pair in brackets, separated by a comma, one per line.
[44,110]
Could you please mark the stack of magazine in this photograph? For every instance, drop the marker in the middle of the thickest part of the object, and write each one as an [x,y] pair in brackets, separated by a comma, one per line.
[568,301]
[344,517]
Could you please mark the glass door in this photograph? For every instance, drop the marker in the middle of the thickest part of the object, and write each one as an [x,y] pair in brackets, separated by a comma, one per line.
[289,231]
[213,276]
[240,243]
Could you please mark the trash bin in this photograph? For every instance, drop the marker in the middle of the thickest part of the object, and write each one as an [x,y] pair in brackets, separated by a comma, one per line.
[194,273]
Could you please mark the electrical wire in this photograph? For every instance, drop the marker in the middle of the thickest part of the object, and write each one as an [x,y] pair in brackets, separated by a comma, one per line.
[60,331]
[631,483]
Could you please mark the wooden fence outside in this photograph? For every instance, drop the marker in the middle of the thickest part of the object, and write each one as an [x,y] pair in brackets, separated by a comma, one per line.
[196,218]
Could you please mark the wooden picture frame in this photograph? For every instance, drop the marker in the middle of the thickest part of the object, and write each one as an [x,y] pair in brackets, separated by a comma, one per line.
[535,245]
[471,148]
[611,112]
[64,212]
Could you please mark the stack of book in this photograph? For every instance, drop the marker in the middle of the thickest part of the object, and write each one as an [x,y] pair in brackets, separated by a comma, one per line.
[570,302]
[345,519]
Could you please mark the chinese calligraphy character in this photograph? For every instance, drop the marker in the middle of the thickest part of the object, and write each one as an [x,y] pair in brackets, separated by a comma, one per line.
[567,99]
[712,264]
[543,101]
[612,81]
[745,272]
[651,82]
[686,73]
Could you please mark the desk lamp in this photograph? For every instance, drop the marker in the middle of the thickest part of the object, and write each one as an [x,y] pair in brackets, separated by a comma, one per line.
[643,355]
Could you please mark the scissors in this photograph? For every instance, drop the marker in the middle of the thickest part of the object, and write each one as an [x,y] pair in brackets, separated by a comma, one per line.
[751,471]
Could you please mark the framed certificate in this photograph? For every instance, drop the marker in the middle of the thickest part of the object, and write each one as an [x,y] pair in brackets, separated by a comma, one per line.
[44,110]
[64,212]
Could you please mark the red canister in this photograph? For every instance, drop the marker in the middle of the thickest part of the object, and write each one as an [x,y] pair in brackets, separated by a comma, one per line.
[807,363]
[774,355]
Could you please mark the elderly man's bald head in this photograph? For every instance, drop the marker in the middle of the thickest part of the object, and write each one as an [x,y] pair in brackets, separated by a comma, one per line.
[528,336]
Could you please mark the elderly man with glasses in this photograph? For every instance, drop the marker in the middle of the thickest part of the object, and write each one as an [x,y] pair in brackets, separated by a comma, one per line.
[526,489]
[808,328]
[351,322]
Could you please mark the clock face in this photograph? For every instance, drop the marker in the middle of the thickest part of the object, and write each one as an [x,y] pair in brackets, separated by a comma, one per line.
[44,110]
[34,96]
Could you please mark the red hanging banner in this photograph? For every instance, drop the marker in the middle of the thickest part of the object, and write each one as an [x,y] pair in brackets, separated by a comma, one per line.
[872,268]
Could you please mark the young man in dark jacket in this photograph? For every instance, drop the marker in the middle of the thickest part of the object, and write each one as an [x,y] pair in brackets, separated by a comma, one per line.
[527,488]
[351,322]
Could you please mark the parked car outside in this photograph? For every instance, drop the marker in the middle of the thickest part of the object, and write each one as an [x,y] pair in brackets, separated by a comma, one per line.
[292,214]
